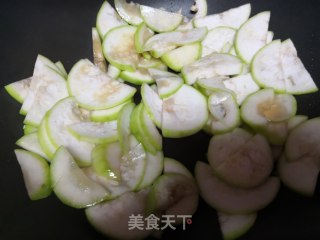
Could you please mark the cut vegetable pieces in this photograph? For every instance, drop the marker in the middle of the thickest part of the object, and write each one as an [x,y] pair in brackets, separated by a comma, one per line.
[252,36]
[107,19]
[109,114]
[130,12]
[62,70]
[179,57]
[31,143]
[215,64]
[152,103]
[228,199]
[98,57]
[62,115]
[71,185]
[36,174]
[27,129]
[19,90]
[301,175]
[173,166]
[184,113]
[113,71]
[95,90]
[235,225]
[297,78]
[296,121]
[169,20]
[242,86]
[138,77]
[119,49]
[111,217]
[124,126]
[142,34]
[216,40]
[266,67]
[233,17]
[95,132]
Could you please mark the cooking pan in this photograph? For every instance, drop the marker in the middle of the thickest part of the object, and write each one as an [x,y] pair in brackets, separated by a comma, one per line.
[61,30]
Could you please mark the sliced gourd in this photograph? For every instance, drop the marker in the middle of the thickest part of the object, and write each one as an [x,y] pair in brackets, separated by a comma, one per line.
[27,129]
[169,20]
[31,143]
[98,57]
[113,71]
[36,174]
[138,77]
[95,90]
[124,126]
[142,34]
[173,166]
[130,12]
[19,90]
[252,36]
[109,114]
[270,36]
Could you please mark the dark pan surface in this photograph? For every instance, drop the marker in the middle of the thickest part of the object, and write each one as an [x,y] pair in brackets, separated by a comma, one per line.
[61,30]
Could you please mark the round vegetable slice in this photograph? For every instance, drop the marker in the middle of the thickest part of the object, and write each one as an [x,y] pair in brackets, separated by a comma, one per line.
[95,90]
[36,174]
[130,12]
[252,36]
[118,48]
[169,20]
[71,185]
[184,113]
[228,199]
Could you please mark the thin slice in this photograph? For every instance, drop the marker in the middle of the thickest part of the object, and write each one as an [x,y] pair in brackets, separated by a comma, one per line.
[98,57]
[184,113]
[130,12]
[62,69]
[107,19]
[169,20]
[113,71]
[47,145]
[107,114]
[233,200]
[173,166]
[71,185]
[94,89]
[36,174]
[27,129]
[31,143]
[252,36]
[233,17]
[297,78]
[19,90]
[124,126]
[142,34]
[266,67]
[111,218]
[235,225]
[138,77]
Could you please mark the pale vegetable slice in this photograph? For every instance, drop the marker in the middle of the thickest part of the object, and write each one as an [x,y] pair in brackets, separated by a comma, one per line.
[52,88]
[242,86]
[303,141]
[152,103]
[133,164]
[95,132]
[111,217]
[213,84]
[167,83]
[36,81]
[224,112]
[71,185]
[233,17]
[27,129]
[107,19]
[216,40]
[109,114]
[36,174]
[165,42]
[153,169]
[31,143]
[301,175]
[249,166]
[98,57]
[63,114]
[179,57]
[118,47]
[297,78]
[130,12]
[138,77]
[266,106]
[19,90]
[173,166]
[296,121]
[48,147]
[152,63]
[184,113]
[235,225]
[94,89]
[215,64]
[169,20]
[113,71]
[252,36]
[173,194]
[124,126]
[270,36]
[230,199]
[62,69]
[142,34]
[266,67]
